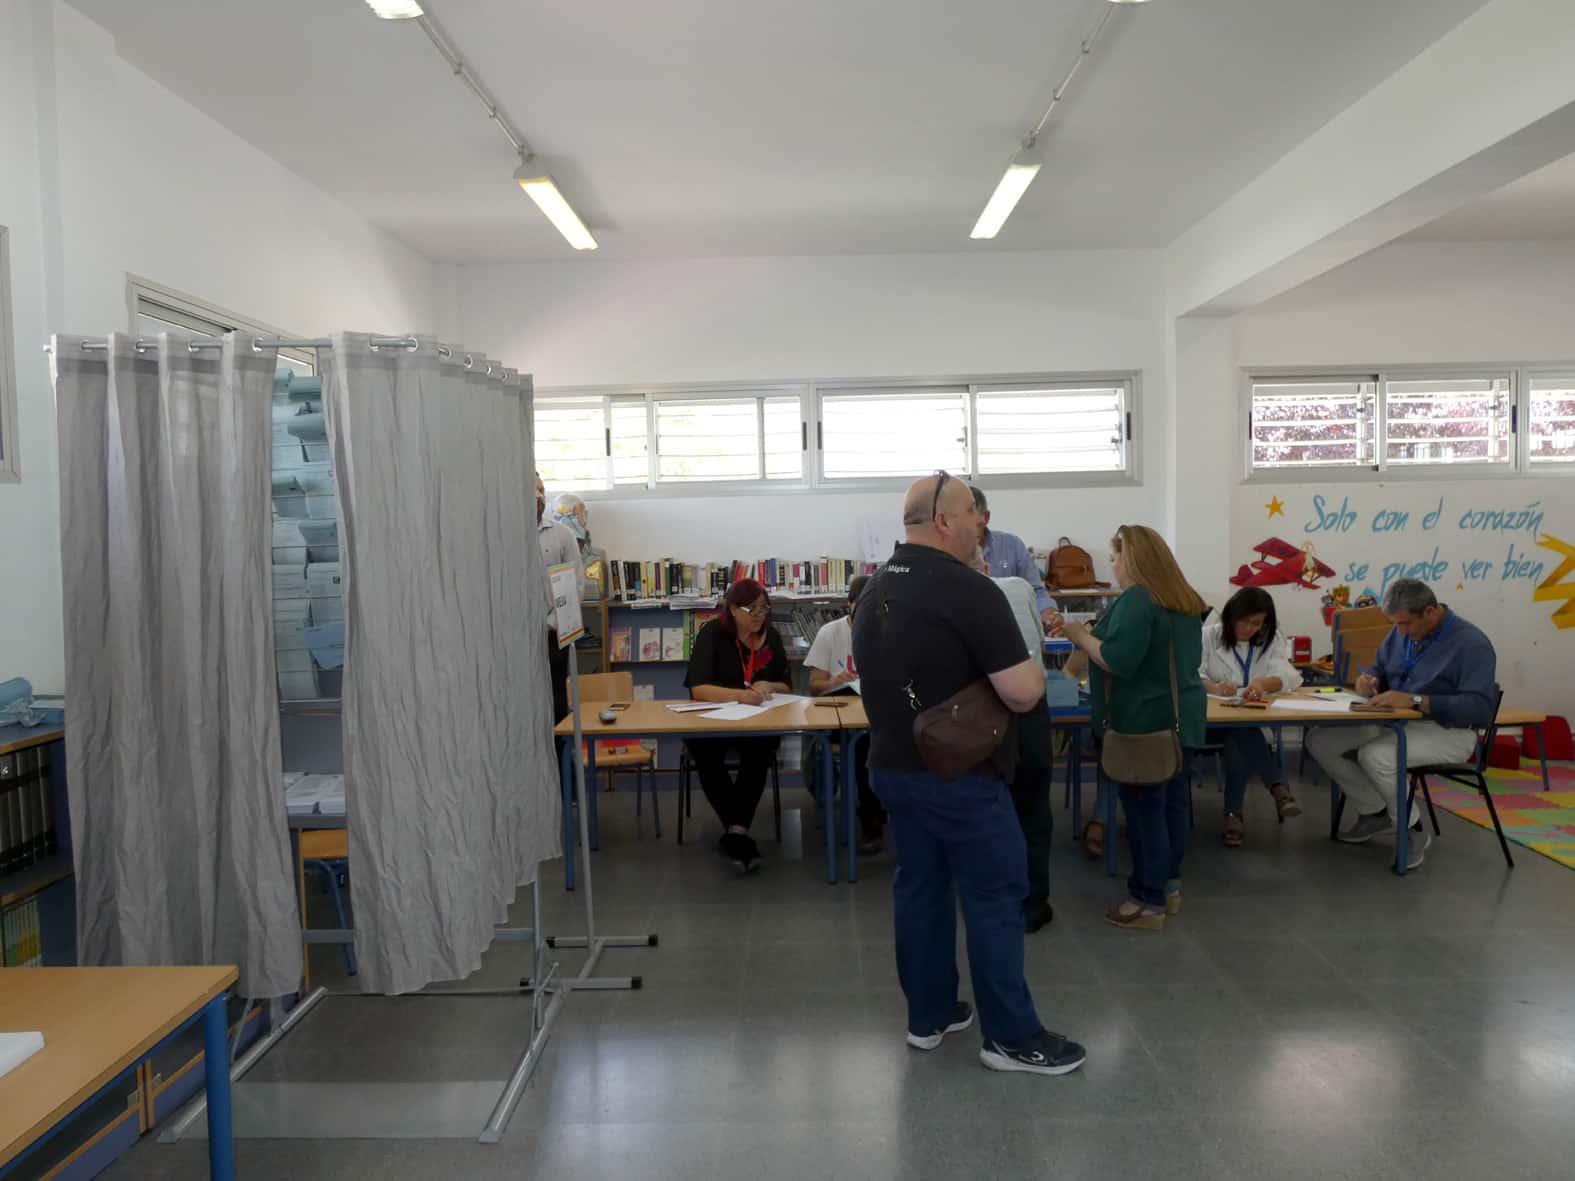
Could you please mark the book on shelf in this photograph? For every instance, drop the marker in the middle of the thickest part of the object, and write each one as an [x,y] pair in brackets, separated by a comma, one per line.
[622,644]
[686,585]
[672,643]
[650,643]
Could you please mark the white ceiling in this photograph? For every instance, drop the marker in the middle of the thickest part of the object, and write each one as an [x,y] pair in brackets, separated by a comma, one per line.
[1539,205]
[752,127]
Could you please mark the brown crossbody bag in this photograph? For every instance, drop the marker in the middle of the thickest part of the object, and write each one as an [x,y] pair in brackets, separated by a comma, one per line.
[1144,760]
[970,728]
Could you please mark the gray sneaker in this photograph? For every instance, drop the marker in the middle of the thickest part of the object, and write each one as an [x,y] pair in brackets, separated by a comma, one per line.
[1421,842]
[1367,827]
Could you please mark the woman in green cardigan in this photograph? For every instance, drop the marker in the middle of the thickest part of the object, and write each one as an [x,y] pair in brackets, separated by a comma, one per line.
[1130,647]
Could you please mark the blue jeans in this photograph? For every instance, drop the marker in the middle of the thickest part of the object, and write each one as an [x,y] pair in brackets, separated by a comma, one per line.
[1246,752]
[1158,818]
[958,842]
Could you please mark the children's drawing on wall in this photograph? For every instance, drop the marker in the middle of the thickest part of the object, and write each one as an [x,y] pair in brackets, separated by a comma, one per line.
[1464,545]
[1282,564]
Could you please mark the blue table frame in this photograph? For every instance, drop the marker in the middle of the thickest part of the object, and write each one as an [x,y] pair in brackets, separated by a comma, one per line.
[1076,719]
[216,1078]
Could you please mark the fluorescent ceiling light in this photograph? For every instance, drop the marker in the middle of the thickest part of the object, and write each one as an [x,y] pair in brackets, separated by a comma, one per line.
[541,188]
[1129,1]
[395,10]
[1019,175]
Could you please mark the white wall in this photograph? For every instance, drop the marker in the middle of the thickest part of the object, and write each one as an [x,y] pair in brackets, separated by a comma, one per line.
[1430,303]
[604,323]
[139,182]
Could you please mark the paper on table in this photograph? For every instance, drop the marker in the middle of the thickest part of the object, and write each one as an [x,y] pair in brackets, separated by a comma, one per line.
[17,1048]
[736,711]
[853,685]
[1321,705]
[690,707]
[777,699]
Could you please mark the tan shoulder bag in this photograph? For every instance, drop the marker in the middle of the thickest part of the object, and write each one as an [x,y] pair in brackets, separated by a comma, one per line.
[1144,760]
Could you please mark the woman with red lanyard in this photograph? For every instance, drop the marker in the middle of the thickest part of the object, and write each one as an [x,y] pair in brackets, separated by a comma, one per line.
[738,656]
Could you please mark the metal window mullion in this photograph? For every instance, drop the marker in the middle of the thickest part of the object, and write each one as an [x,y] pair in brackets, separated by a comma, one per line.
[971,430]
[652,460]
[760,438]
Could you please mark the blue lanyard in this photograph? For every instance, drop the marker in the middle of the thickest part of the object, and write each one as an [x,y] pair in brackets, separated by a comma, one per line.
[1245,666]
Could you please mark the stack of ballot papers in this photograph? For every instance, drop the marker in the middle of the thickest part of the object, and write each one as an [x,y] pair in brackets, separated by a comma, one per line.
[17,1048]
[314,795]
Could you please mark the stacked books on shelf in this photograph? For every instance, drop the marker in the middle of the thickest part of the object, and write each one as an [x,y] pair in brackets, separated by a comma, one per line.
[686,585]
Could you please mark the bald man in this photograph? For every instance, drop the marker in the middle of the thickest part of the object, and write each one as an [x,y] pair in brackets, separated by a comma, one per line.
[925,627]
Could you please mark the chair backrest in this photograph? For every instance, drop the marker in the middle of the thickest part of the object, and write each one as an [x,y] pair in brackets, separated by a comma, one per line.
[617,686]
[1485,740]
[1357,649]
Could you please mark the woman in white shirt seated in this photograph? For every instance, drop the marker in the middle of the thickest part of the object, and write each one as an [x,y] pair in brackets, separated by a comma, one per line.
[1244,655]
[830,668]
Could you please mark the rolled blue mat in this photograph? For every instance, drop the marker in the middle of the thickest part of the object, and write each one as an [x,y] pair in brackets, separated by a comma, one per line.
[309,427]
[304,388]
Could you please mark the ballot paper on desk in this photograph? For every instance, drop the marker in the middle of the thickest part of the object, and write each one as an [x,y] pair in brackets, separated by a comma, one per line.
[17,1048]
[314,795]
[852,685]
[1319,704]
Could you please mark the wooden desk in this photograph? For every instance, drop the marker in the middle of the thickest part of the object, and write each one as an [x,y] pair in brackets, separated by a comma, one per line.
[14,738]
[97,1022]
[1220,714]
[652,719]
[1527,719]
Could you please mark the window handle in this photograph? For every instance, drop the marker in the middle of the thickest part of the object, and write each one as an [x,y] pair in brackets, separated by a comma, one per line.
[607,430]
[803,436]
[820,435]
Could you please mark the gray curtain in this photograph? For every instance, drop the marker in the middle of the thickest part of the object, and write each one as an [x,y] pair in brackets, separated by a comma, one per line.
[450,781]
[177,816]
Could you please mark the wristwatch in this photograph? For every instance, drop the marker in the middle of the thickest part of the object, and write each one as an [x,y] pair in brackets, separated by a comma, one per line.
[1416,702]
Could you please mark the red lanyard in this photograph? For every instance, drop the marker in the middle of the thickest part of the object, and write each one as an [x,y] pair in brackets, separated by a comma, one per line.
[750,664]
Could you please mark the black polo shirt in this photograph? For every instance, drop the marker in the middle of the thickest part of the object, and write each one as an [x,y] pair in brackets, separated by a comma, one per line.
[715,659]
[927,618]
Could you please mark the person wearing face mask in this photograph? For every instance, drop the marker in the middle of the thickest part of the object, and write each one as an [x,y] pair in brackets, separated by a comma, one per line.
[1134,655]
[737,657]
[557,547]
[1244,655]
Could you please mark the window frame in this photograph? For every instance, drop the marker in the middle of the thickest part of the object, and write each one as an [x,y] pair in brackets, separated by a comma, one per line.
[1547,467]
[1517,466]
[140,291]
[10,442]
[811,394]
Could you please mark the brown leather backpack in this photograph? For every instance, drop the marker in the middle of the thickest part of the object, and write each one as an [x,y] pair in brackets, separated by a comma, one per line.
[1071,568]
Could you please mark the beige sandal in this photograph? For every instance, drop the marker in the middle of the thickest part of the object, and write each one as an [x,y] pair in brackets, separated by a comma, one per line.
[1094,840]
[1284,802]
[1135,916]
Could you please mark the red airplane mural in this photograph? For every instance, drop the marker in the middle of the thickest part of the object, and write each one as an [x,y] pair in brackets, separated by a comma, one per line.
[1282,564]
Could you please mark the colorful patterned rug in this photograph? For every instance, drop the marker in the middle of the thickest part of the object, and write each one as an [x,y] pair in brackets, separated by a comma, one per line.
[1543,821]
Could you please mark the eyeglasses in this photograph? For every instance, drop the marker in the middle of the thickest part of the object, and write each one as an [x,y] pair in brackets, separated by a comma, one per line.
[935,505]
[757,609]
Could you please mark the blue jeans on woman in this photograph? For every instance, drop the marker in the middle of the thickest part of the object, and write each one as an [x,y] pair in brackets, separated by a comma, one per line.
[1158,818]
[1246,752]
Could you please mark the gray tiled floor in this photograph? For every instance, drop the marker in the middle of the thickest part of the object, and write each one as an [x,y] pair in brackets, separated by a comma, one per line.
[1307,1016]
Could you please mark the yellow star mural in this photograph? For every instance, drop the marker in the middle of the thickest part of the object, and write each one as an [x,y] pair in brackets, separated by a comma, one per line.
[1553,587]
[1276,508]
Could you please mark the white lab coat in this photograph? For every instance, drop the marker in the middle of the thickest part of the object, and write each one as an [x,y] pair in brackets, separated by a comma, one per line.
[1222,665]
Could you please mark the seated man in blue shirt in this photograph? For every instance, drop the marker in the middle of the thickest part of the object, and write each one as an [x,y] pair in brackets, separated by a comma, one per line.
[1435,663]
[1007,557]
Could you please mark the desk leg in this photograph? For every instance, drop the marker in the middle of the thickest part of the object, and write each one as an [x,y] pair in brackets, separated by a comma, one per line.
[589,802]
[828,810]
[1107,792]
[1542,753]
[1402,803]
[850,791]
[1074,779]
[216,1070]
[566,776]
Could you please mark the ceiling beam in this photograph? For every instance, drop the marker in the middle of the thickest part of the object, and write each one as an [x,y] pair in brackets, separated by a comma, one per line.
[1490,101]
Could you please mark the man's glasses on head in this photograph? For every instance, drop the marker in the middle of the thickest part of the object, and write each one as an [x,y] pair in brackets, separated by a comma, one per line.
[942,475]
